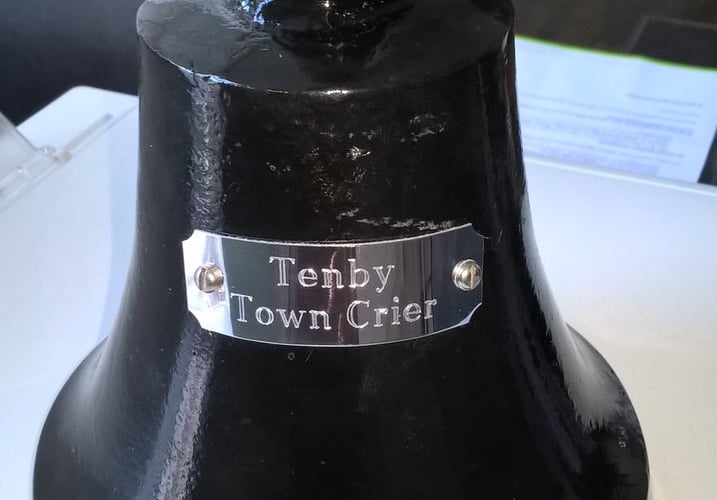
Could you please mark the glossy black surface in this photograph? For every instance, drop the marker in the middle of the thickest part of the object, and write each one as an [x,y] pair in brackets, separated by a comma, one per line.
[263,128]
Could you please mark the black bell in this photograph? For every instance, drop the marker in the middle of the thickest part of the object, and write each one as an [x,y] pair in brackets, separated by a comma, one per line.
[335,291]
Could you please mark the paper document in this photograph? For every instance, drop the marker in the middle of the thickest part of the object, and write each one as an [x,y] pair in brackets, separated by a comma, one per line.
[614,111]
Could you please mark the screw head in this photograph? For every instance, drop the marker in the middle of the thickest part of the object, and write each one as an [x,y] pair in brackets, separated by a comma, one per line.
[467,275]
[209,278]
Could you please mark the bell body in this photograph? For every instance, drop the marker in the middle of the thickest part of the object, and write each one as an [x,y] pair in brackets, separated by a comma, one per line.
[302,121]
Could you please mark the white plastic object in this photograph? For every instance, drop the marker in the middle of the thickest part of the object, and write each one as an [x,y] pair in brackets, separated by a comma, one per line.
[23,165]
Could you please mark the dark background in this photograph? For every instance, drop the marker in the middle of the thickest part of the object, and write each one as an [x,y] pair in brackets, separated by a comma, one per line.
[47,47]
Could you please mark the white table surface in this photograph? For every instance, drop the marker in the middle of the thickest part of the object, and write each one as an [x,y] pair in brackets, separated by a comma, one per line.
[632,262]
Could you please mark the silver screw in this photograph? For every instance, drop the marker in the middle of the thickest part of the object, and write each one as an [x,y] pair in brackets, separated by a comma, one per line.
[209,278]
[467,275]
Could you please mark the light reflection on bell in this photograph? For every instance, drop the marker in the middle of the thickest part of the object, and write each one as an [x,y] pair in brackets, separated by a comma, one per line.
[248,120]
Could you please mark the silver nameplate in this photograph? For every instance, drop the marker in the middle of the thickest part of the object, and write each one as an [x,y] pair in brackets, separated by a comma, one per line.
[334,294]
